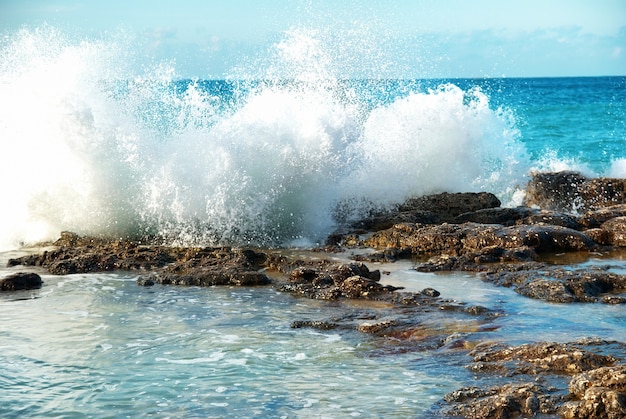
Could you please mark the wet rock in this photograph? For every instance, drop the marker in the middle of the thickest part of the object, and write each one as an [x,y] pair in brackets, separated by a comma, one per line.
[551,218]
[503,216]
[571,191]
[543,357]
[20,281]
[376,328]
[545,362]
[333,281]
[447,206]
[599,393]
[508,401]
[457,239]
[314,324]
[595,218]
[209,276]
[616,231]
[430,292]
[563,285]
[167,265]
[430,209]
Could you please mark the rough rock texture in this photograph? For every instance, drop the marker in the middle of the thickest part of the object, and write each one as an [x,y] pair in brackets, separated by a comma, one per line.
[503,402]
[457,239]
[599,394]
[572,191]
[165,265]
[537,382]
[555,358]
[20,281]
[559,285]
[431,209]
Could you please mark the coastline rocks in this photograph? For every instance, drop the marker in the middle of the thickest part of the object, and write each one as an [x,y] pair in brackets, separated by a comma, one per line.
[430,209]
[558,285]
[327,281]
[600,393]
[212,266]
[571,191]
[596,388]
[536,358]
[457,239]
[168,265]
[20,281]
[507,401]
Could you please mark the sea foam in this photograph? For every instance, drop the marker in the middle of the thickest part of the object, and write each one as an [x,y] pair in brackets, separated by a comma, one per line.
[94,143]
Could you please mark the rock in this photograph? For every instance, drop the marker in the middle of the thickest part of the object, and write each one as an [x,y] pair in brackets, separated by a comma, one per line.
[430,209]
[550,357]
[596,217]
[503,216]
[447,206]
[573,192]
[314,324]
[600,393]
[377,328]
[616,231]
[20,281]
[563,285]
[596,382]
[508,401]
[333,281]
[208,276]
[457,239]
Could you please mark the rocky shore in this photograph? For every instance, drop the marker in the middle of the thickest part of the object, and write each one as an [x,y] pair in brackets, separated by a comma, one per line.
[563,213]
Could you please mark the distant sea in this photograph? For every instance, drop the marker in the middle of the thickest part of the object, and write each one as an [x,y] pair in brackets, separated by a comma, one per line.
[91,144]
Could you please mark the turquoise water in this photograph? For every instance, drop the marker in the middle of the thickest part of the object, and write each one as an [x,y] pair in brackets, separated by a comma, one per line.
[98,345]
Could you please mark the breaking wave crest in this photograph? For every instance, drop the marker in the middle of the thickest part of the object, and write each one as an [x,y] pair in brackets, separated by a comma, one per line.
[91,144]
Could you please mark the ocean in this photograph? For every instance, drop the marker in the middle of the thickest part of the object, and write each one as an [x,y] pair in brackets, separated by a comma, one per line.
[94,144]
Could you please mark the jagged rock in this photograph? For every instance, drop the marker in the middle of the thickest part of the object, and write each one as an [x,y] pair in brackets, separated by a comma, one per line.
[314,324]
[324,281]
[20,281]
[562,285]
[599,393]
[596,217]
[376,327]
[543,357]
[457,239]
[503,216]
[430,209]
[571,191]
[508,401]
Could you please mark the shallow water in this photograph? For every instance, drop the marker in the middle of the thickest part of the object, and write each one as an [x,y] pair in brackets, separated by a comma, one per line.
[98,345]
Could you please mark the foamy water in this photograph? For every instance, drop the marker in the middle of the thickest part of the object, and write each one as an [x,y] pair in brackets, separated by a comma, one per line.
[95,143]
[90,144]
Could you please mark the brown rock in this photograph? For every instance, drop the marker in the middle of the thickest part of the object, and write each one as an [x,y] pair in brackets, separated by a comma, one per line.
[600,393]
[20,281]
[571,191]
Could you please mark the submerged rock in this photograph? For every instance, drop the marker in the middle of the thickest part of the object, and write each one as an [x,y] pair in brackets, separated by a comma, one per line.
[20,281]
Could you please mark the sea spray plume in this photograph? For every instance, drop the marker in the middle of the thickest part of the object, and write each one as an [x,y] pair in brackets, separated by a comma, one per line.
[262,160]
[442,139]
[60,133]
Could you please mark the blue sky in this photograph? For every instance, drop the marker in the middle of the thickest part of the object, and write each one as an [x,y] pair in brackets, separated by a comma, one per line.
[392,38]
